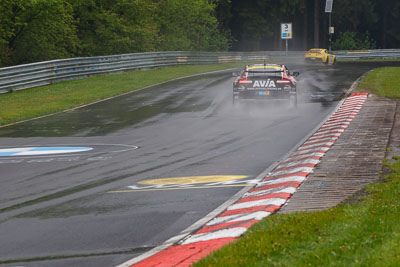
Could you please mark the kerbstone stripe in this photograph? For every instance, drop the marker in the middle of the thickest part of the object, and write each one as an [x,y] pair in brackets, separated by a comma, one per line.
[310,151]
[310,146]
[295,163]
[289,190]
[334,136]
[233,232]
[307,155]
[263,202]
[295,170]
[282,180]
[240,217]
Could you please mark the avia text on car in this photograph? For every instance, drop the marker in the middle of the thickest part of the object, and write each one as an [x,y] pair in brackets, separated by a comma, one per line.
[265,81]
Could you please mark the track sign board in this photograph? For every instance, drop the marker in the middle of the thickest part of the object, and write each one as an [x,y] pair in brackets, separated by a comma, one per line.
[328,6]
[286,31]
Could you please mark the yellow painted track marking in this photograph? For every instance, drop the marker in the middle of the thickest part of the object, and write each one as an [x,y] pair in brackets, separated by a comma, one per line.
[179,188]
[192,180]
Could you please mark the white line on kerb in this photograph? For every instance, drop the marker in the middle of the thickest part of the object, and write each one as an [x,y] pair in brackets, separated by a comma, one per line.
[232,232]
[306,161]
[240,217]
[282,180]
[288,190]
[257,203]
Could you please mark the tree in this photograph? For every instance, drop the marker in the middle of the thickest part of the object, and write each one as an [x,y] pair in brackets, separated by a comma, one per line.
[353,21]
[115,26]
[353,41]
[256,23]
[388,31]
[189,25]
[36,30]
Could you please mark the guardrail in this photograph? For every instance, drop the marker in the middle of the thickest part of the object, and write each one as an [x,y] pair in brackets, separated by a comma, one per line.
[368,54]
[43,73]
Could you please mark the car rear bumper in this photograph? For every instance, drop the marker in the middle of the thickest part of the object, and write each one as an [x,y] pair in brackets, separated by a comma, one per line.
[262,94]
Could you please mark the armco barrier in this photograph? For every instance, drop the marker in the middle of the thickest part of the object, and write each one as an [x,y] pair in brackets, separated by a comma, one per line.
[42,73]
[368,54]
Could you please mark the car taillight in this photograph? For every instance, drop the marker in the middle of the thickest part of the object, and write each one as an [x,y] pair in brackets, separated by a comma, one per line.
[244,80]
[284,81]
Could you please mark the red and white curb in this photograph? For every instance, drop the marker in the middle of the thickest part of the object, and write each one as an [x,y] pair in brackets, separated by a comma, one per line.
[268,196]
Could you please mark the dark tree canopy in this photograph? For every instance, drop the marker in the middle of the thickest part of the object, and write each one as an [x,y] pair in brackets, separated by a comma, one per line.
[38,30]
[255,24]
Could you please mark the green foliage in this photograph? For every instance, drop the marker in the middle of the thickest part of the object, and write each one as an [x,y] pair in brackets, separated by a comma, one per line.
[353,41]
[255,24]
[115,26]
[36,30]
[189,25]
[355,15]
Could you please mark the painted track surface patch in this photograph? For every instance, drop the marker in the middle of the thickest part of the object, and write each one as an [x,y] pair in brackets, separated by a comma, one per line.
[28,151]
[35,151]
[265,198]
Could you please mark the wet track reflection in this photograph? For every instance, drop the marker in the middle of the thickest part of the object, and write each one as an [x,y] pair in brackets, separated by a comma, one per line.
[63,209]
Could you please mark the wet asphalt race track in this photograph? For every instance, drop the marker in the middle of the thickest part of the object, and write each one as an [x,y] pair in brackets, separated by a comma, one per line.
[103,203]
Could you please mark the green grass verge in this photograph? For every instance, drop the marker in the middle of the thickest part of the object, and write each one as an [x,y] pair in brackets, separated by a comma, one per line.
[362,232]
[40,101]
[383,82]
[365,233]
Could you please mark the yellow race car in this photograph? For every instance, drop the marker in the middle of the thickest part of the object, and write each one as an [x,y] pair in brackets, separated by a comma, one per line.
[319,55]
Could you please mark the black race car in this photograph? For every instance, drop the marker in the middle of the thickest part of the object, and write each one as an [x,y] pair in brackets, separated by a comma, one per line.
[265,81]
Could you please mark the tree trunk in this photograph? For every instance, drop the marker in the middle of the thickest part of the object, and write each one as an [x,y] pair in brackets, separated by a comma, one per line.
[316,23]
[384,28]
[305,26]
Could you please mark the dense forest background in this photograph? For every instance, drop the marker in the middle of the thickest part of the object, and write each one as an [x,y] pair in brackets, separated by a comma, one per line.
[38,30]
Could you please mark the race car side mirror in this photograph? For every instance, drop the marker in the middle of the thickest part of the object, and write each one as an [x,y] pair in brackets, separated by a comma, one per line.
[296,73]
[236,74]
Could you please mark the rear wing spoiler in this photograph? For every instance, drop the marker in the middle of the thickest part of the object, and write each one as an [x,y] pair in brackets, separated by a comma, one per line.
[274,71]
